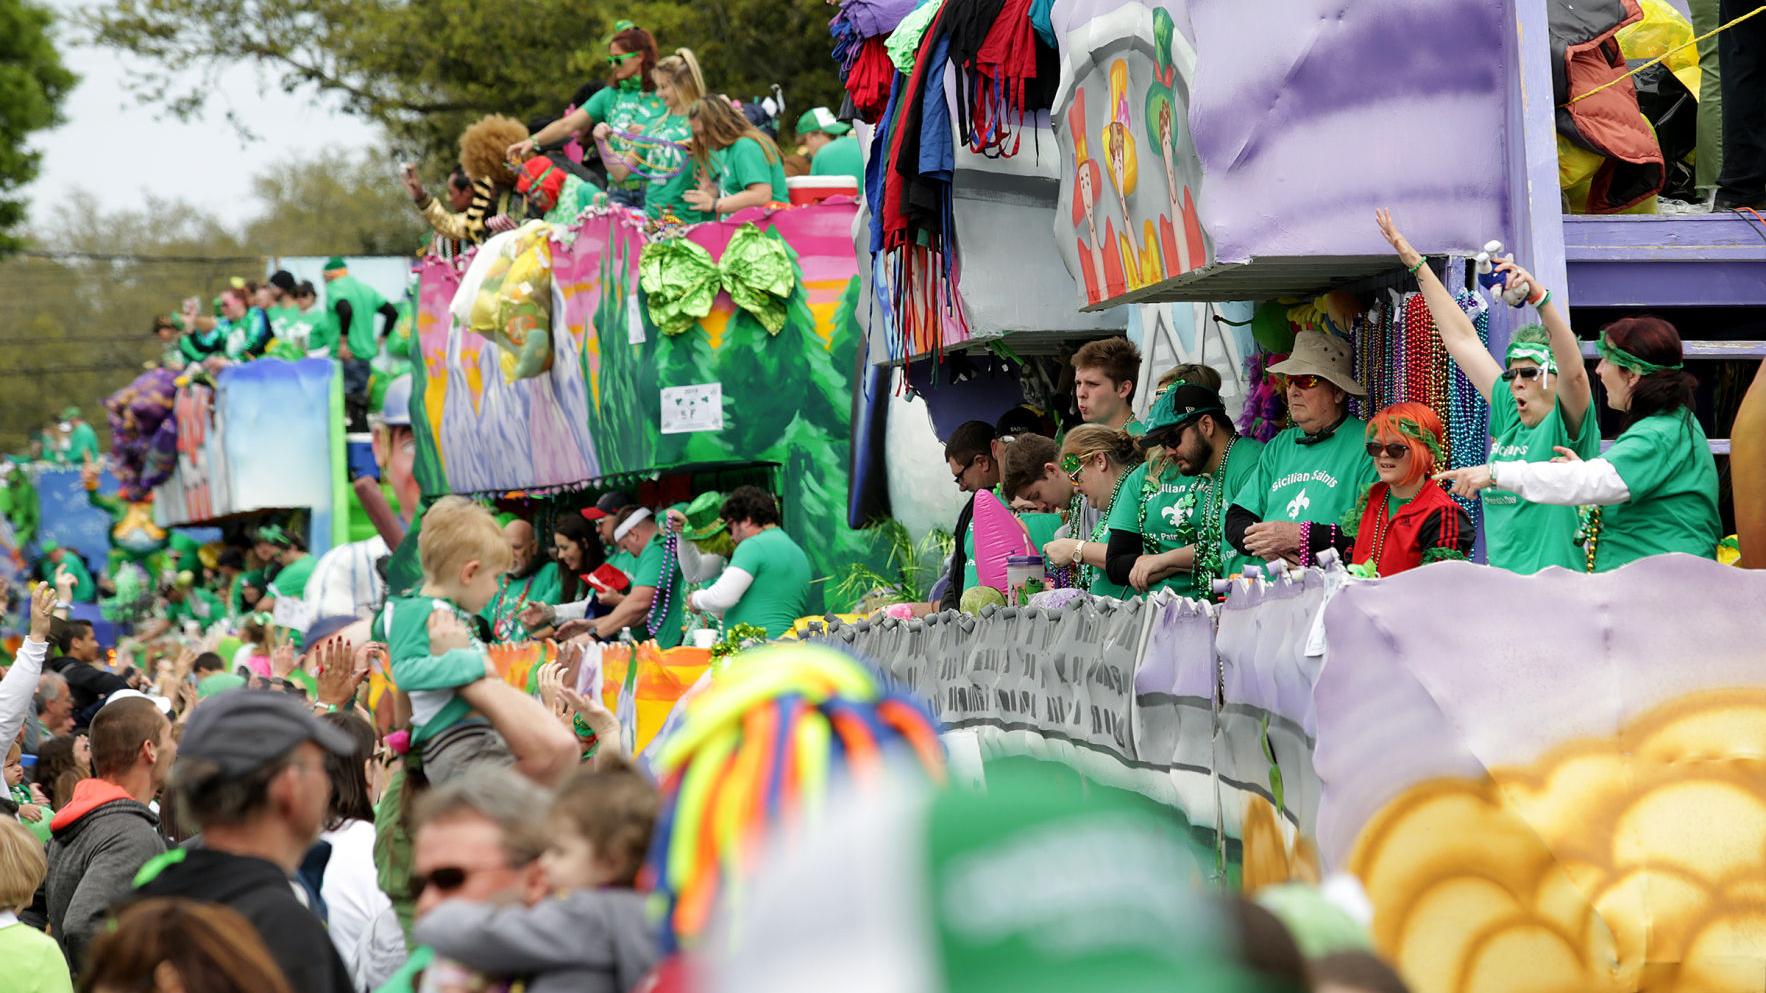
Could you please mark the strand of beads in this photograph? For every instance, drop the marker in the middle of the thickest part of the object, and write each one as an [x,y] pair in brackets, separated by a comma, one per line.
[1468,415]
[1588,535]
[1088,574]
[664,599]
[1207,565]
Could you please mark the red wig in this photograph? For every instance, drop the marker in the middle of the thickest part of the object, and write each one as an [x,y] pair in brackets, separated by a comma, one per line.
[1419,428]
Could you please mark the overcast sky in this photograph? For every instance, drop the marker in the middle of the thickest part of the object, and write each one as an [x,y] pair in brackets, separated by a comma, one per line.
[121,150]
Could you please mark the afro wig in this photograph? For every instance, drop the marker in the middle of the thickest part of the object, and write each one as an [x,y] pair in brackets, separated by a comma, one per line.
[484,145]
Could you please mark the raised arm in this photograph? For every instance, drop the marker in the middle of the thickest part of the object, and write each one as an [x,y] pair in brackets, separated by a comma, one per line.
[1574,392]
[551,134]
[1451,323]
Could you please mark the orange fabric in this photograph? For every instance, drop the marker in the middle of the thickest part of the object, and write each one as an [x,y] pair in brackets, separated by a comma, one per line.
[89,795]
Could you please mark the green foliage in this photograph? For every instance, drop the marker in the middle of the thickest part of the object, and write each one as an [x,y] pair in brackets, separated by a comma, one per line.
[335,203]
[909,567]
[426,70]
[33,83]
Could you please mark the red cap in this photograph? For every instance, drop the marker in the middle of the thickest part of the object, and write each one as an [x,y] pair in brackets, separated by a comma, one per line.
[594,513]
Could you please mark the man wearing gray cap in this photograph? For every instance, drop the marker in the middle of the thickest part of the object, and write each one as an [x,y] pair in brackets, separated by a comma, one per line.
[251,775]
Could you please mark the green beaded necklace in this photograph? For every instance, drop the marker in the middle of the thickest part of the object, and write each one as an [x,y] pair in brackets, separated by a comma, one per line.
[1088,574]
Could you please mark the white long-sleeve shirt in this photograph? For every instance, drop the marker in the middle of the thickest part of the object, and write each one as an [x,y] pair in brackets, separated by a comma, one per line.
[19,689]
[723,594]
[1572,484]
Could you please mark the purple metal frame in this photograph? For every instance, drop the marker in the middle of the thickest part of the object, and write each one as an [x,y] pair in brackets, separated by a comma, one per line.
[1699,260]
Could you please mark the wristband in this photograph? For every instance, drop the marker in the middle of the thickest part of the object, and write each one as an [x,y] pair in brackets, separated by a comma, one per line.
[1419,264]
[1491,468]
[1544,298]
[64,605]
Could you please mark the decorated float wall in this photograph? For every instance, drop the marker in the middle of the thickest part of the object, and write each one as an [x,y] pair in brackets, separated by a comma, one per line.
[1196,134]
[267,436]
[68,519]
[621,398]
[1567,794]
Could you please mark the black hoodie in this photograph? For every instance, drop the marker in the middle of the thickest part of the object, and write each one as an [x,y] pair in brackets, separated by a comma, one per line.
[265,896]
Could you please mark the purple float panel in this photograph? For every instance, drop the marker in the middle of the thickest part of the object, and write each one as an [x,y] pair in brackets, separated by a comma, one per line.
[1707,260]
[1289,122]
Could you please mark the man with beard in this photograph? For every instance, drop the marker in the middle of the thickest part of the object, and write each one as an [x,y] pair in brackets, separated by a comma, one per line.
[1167,525]
[532,579]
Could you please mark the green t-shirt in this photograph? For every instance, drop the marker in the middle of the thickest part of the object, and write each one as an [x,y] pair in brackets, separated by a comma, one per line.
[199,605]
[648,572]
[33,959]
[430,679]
[1526,537]
[365,303]
[291,579]
[1665,461]
[627,109]
[668,195]
[780,591]
[1178,507]
[840,157]
[81,442]
[1318,482]
[308,330]
[504,610]
[745,163]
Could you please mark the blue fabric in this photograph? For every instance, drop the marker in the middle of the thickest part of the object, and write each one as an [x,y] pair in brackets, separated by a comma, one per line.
[938,154]
[879,161]
[1043,22]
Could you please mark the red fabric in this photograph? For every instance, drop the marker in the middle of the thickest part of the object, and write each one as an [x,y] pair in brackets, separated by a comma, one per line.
[868,82]
[607,577]
[89,795]
[895,220]
[1611,122]
[1402,549]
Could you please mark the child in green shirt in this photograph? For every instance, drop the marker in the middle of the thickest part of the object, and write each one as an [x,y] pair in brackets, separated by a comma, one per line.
[430,642]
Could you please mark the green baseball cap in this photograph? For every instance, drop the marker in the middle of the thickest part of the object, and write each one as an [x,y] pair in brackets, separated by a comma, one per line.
[821,119]
[334,263]
[69,413]
[704,519]
[1181,404]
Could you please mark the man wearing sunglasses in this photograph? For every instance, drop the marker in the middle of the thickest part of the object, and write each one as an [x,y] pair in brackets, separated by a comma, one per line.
[251,774]
[477,839]
[1309,475]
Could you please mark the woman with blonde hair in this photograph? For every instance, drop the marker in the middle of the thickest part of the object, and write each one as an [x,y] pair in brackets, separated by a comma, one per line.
[181,946]
[663,165]
[744,167]
[33,962]
[1096,460]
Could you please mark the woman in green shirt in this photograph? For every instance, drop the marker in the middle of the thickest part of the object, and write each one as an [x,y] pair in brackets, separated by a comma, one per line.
[1543,404]
[627,103]
[665,168]
[742,163]
[1655,490]
[1098,460]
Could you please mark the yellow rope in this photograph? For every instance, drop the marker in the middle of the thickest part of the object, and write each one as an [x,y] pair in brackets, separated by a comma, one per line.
[1658,59]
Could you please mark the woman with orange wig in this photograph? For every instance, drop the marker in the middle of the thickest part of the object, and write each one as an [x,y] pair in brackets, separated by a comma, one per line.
[1406,519]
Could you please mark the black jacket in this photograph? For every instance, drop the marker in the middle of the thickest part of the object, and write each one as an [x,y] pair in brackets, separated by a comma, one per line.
[88,685]
[953,594]
[265,896]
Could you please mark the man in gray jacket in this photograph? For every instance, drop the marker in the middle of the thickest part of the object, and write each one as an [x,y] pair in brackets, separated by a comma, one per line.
[103,837]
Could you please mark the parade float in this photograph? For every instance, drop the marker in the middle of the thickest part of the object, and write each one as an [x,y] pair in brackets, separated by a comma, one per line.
[1541,782]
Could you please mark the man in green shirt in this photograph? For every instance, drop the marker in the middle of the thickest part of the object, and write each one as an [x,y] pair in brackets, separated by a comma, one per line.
[1167,525]
[655,576]
[354,305]
[82,441]
[289,553]
[1308,476]
[832,149]
[1104,374]
[85,591]
[766,583]
[531,579]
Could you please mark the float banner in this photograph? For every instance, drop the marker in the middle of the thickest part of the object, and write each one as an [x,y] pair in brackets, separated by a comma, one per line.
[783,399]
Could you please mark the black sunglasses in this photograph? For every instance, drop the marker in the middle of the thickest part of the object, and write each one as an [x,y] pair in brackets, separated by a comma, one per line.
[1522,372]
[446,879]
[1392,451]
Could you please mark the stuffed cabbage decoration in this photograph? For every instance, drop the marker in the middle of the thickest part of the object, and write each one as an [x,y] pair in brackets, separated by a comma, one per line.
[513,306]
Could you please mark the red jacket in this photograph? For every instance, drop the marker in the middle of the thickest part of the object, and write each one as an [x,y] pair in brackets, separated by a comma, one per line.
[1430,525]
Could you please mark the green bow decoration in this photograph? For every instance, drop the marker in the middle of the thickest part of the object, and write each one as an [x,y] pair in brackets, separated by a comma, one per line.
[680,281]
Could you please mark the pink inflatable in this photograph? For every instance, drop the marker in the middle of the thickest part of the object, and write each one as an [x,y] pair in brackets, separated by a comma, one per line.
[998,533]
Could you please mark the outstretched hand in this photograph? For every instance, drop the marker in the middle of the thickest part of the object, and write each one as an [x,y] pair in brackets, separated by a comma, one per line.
[1467,482]
[1395,237]
[42,611]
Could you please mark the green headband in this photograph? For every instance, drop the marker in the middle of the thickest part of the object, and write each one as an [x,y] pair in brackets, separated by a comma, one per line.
[1629,362]
[1540,354]
[1411,429]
